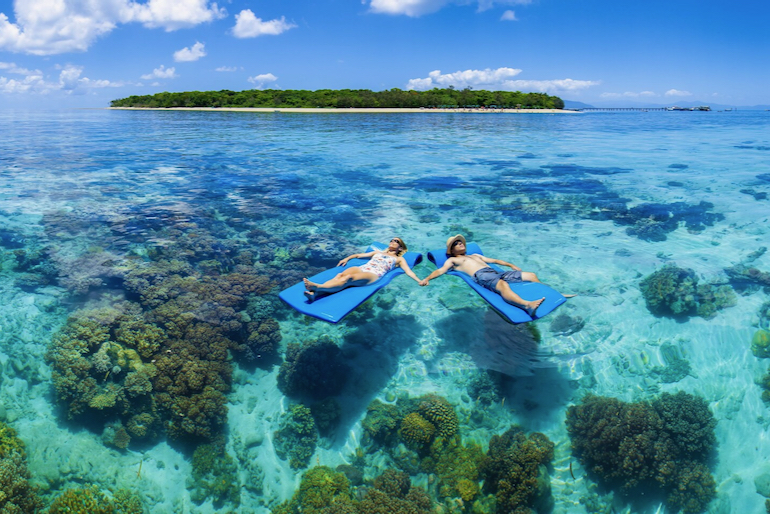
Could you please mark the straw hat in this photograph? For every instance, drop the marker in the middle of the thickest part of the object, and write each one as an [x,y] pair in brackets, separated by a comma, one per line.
[451,241]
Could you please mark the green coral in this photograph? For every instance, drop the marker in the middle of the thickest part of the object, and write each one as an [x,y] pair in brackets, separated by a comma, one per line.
[9,442]
[695,488]
[82,500]
[675,292]
[514,470]
[393,493]
[457,468]
[17,496]
[381,422]
[214,476]
[324,491]
[416,432]
[320,488]
[135,332]
[441,414]
[640,444]
[296,437]
[760,343]
[676,368]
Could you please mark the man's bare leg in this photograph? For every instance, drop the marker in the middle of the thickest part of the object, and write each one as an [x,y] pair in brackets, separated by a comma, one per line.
[509,296]
[528,276]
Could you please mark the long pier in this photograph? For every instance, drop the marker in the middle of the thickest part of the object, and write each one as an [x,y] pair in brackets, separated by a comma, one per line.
[643,109]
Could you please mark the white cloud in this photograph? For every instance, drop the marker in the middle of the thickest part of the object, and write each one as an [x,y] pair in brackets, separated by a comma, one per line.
[676,92]
[416,8]
[227,68]
[46,27]
[628,94]
[508,16]
[463,79]
[248,25]
[498,79]
[70,81]
[11,67]
[161,73]
[190,54]
[260,80]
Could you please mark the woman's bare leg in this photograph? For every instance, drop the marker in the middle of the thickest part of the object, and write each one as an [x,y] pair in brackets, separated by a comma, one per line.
[351,277]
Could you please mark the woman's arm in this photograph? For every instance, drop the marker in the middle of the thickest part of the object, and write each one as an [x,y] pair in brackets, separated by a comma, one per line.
[356,256]
[405,266]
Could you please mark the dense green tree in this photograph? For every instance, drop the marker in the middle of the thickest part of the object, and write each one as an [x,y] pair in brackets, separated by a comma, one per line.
[345,98]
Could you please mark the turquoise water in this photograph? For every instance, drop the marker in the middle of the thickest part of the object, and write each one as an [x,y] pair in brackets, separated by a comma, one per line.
[180,228]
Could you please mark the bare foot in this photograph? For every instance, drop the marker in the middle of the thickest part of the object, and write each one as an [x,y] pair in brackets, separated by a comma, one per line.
[310,286]
[532,306]
[310,296]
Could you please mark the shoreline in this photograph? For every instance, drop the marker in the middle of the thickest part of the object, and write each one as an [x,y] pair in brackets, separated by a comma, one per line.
[356,110]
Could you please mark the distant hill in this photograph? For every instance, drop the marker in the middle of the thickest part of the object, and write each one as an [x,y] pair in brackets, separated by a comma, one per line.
[571,104]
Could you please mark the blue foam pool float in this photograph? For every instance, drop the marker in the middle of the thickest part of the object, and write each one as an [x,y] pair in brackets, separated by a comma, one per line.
[527,290]
[334,307]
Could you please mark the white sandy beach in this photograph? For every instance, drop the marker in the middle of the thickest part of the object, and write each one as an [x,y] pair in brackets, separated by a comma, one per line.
[353,110]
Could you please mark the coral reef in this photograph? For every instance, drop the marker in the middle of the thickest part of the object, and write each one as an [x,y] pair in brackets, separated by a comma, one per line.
[16,494]
[760,343]
[675,292]
[316,369]
[438,411]
[514,470]
[324,491]
[90,500]
[676,368]
[326,414]
[416,432]
[296,437]
[629,445]
[214,476]
[319,488]
[744,275]
[147,369]
[393,493]
[484,387]
[457,468]
[381,423]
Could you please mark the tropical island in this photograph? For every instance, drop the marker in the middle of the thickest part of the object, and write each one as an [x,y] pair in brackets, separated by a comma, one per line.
[449,98]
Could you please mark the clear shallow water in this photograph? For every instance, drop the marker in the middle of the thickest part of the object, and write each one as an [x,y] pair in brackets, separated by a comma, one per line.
[92,199]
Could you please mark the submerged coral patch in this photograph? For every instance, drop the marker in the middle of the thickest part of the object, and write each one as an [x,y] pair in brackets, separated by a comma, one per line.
[664,444]
[675,292]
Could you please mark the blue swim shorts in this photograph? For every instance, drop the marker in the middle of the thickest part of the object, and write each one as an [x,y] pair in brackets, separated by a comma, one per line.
[487,277]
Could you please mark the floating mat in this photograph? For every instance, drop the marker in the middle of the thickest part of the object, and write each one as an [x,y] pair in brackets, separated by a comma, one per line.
[334,307]
[527,290]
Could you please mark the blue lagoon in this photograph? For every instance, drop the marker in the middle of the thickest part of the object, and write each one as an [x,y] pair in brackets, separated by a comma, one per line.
[145,359]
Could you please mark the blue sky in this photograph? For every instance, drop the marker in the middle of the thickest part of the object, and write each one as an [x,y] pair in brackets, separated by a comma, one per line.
[83,53]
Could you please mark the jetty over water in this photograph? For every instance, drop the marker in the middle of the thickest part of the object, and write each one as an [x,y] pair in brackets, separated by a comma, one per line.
[646,109]
[640,109]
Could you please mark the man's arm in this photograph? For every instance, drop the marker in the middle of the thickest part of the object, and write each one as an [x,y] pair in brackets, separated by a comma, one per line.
[437,273]
[498,261]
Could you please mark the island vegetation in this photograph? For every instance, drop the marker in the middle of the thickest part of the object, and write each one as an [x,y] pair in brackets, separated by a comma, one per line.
[346,98]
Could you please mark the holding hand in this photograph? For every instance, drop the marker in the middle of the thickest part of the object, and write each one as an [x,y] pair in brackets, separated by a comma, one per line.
[424,282]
